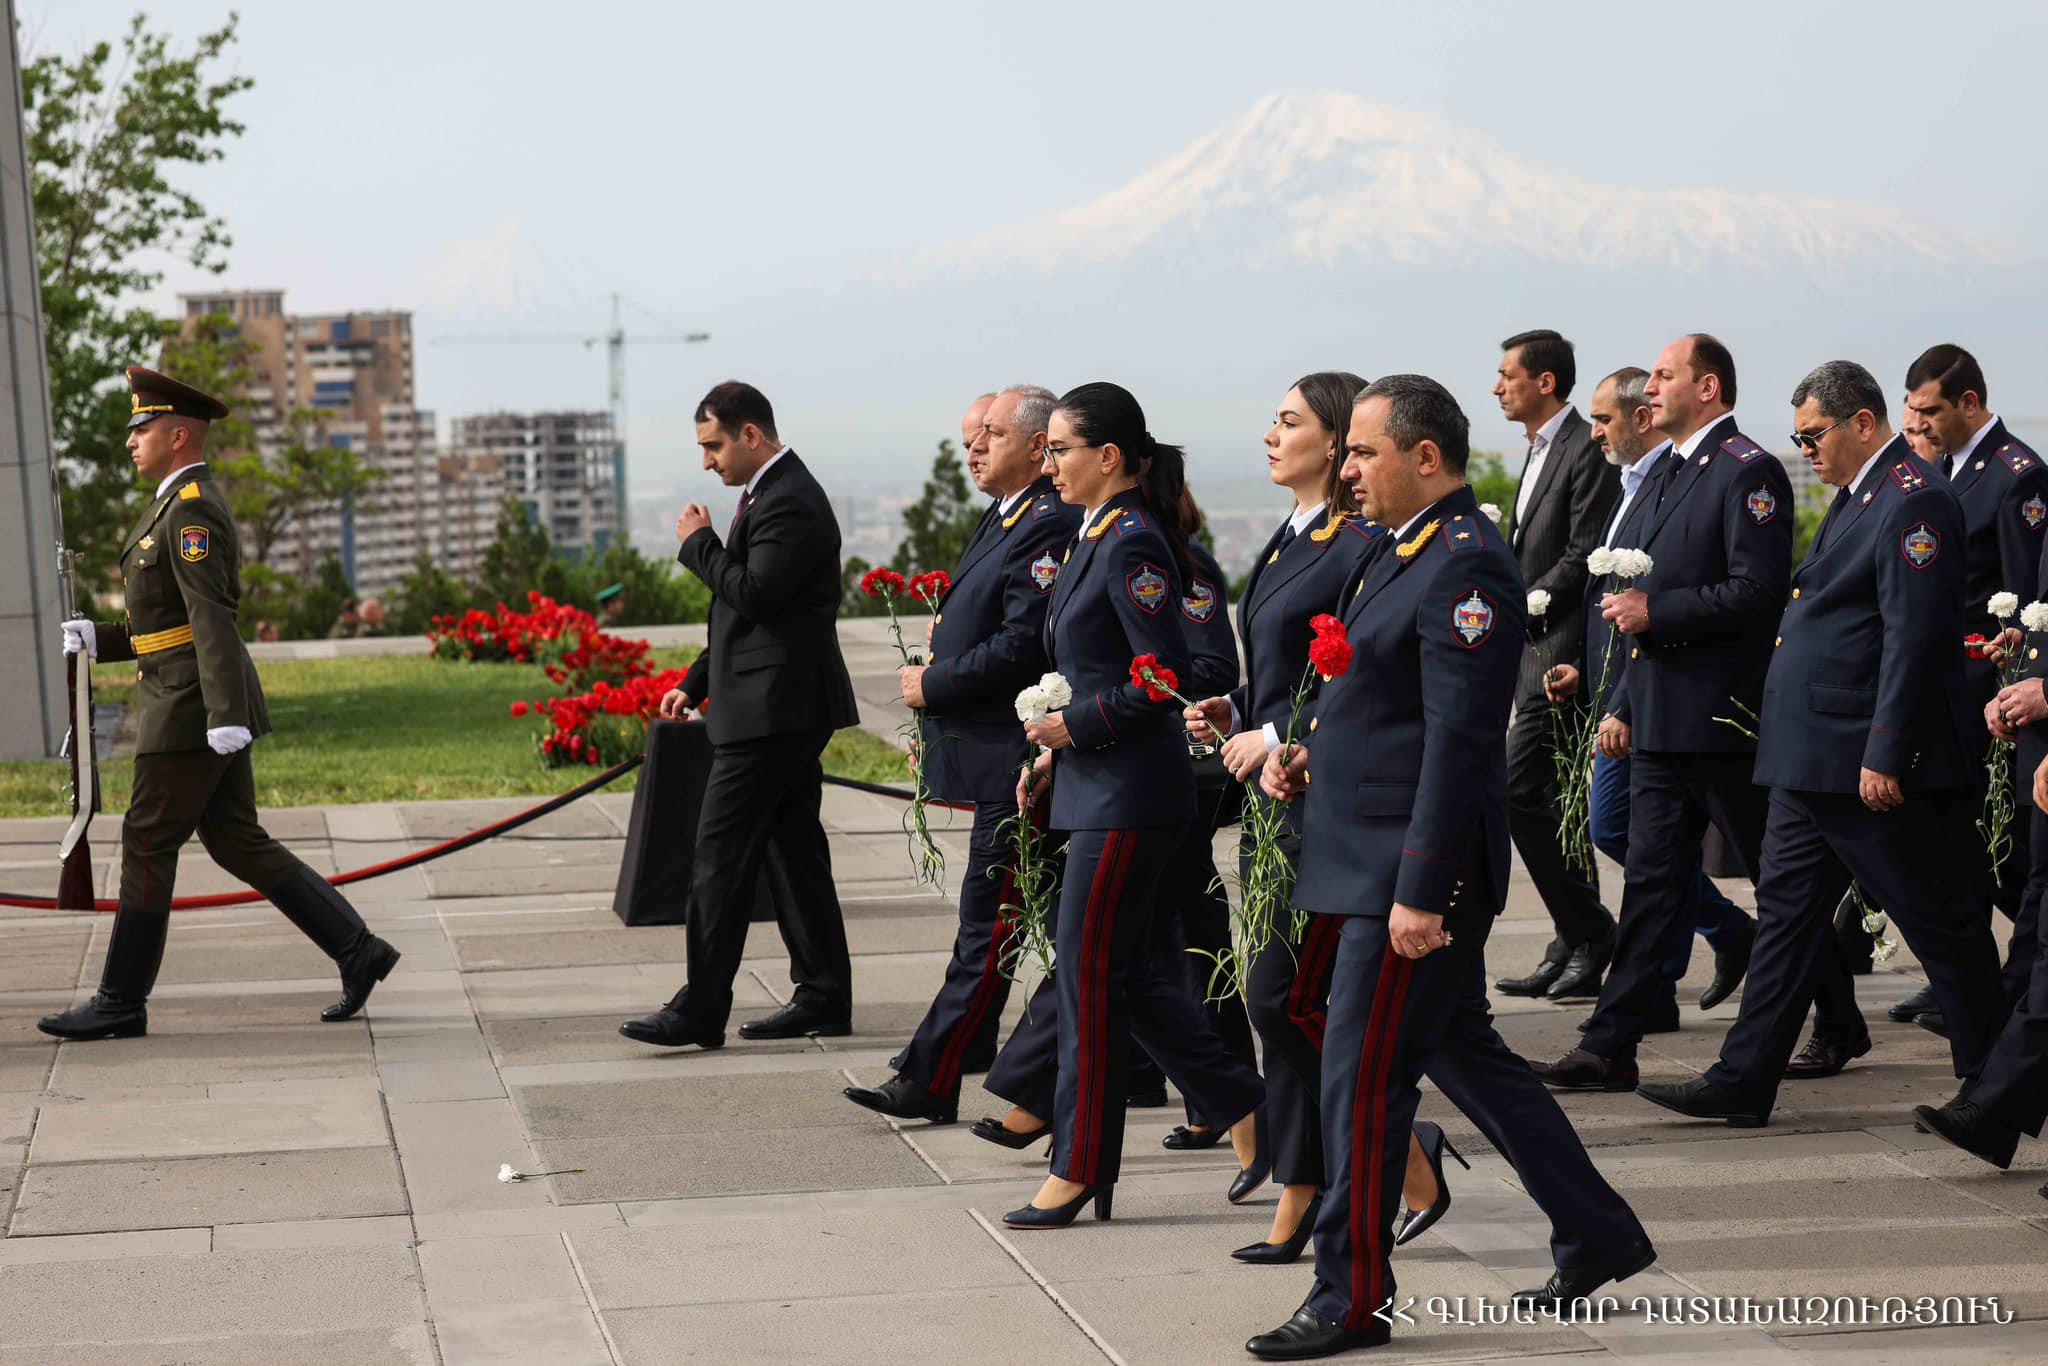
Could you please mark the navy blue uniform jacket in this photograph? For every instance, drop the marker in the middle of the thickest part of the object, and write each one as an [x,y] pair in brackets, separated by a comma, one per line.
[2003,488]
[987,646]
[1720,539]
[1307,579]
[1868,672]
[1118,597]
[1407,795]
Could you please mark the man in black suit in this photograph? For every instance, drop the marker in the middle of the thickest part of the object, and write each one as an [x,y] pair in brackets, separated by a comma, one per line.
[773,687]
[1561,507]
[1870,743]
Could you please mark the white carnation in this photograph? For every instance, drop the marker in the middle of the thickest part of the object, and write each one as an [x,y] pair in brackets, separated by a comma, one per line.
[2034,616]
[1539,602]
[1491,510]
[1058,692]
[1632,564]
[1601,561]
[1883,949]
[1032,705]
[2003,605]
[506,1173]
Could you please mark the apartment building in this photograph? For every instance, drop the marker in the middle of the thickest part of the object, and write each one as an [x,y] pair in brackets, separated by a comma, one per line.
[560,464]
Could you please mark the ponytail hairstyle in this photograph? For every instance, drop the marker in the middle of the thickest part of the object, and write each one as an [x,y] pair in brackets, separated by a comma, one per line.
[1104,414]
[1328,394]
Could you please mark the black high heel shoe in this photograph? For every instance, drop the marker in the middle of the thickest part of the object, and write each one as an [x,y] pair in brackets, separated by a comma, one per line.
[1280,1254]
[1249,1179]
[1059,1216]
[1416,1222]
[993,1130]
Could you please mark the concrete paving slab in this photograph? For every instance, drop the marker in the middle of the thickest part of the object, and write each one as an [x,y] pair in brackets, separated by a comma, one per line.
[731,1161]
[455,884]
[450,1152]
[294,1053]
[26,1067]
[208,1009]
[96,1197]
[462,1079]
[691,1105]
[566,947]
[371,1231]
[43,960]
[561,1331]
[516,1223]
[100,1247]
[1959,1258]
[596,1038]
[796,1257]
[486,1271]
[2025,1340]
[101,1131]
[628,989]
[433,822]
[238,956]
[402,1346]
[1017,1324]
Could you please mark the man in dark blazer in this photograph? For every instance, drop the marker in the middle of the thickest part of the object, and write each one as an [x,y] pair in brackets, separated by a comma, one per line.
[1871,746]
[1561,506]
[985,649]
[1698,631]
[773,687]
[1405,840]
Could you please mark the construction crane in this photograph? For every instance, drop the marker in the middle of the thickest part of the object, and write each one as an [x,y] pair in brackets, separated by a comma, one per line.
[614,341]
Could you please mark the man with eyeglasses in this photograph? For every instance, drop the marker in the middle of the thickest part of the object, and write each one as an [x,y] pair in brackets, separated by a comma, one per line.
[1869,744]
[1697,630]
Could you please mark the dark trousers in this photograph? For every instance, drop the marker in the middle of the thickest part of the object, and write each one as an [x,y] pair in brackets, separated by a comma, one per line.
[970,1000]
[761,794]
[1570,895]
[1672,798]
[1393,1020]
[195,790]
[2013,1084]
[1716,919]
[1109,993]
[1289,992]
[2022,951]
[1921,861]
[1026,1071]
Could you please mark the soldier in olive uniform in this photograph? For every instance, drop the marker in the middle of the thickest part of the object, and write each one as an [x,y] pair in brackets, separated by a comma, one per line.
[198,708]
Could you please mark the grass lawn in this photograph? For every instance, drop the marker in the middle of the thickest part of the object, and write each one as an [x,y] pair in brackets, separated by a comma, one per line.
[395,729]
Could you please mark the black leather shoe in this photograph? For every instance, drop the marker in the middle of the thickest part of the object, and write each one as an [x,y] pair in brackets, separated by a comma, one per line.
[994,1132]
[1824,1057]
[1059,1216]
[1584,969]
[1186,1140]
[901,1098]
[1568,1285]
[1661,1021]
[1537,982]
[1701,1099]
[1309,1335]
[1933,1021]
[1731,965]
[1579,1070]
[103,1017]
[1416,1222]
[667,1028]
[368,965]
[1972,1128]
[1146,1098]
[796,1021]
[1914,1006]
[1284,1254]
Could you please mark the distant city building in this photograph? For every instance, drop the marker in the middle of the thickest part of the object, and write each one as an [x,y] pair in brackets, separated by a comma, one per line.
[560,464]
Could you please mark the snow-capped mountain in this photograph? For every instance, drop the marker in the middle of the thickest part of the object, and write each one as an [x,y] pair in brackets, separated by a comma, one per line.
[1329,179]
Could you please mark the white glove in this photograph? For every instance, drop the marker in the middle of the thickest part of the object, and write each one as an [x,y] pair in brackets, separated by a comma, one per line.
[80,638]
[228,739]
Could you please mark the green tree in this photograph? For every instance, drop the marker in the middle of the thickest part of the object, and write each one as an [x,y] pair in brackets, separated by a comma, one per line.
[317,605]
[109,136]
[937,526]
[1811,506]
[657,592]
[1490,481]
[521,559]
[429,591]
[853,602]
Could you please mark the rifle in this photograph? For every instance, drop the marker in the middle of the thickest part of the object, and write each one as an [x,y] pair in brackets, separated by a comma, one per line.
[75,883]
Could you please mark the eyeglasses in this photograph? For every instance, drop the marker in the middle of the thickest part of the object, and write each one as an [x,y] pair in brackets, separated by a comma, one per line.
[1811,444]
[1055,452]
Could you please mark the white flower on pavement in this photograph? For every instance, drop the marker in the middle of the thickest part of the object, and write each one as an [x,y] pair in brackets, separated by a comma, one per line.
[1539,602]
[2003,605]
[506,1173]
[1601,562]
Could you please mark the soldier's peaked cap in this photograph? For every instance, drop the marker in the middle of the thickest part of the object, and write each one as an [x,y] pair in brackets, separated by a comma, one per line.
[152,395]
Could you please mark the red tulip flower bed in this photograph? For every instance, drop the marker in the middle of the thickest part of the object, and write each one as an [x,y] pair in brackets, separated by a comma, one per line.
[563,640]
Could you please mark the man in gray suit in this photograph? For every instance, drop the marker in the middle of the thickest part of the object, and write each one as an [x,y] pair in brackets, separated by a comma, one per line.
[1567,491]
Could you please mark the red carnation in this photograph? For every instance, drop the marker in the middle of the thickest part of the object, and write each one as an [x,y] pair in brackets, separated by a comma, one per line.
[519,709]
[1330,654]
[1976,646]
[881,582]
[1326,625]
[932,586]
[1156,679]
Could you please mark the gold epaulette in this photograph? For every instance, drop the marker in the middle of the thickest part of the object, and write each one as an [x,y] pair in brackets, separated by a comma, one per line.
[1095,532]
[1412,547]
[1323,533]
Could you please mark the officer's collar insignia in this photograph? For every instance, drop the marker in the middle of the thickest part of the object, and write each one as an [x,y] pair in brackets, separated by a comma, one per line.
[1907,476]
[147,543]
[1200,602]
[1323,533]
[1472,618]
[1273,558]
[1412,547]
[2034,511]
[1044,570]
[1102,525]
[192,543]
[1016,516]
[188,493]
[1921,545]
[1068,556]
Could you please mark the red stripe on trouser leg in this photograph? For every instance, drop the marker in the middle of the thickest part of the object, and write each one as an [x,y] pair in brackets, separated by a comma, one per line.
[1091,1036]
[1311,972]
[1368,1118]
[946,1075]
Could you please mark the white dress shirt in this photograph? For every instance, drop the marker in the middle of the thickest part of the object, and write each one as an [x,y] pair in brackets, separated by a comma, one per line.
[1631,484]
[172,477]
[767,466]
[1539,447]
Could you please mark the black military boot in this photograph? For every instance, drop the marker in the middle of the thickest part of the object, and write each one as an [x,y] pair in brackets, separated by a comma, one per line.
[120,1008]
[310,902]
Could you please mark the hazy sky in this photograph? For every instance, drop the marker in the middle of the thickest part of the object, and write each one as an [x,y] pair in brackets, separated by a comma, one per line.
[511,164]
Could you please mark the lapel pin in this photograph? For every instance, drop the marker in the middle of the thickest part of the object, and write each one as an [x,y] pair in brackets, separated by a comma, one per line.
[1980,464]
[1867,497]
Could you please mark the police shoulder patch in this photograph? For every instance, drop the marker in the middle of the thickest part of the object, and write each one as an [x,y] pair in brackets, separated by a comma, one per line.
[2033,512]
[193,542]
[188,493]
[1130,521]
[1147,587]
[1365,530]
[1044,571]
[1761,504]
[1909,476]
[1921,545]
[1200,602]
[1742,448]
[2017,458]
[1472,618]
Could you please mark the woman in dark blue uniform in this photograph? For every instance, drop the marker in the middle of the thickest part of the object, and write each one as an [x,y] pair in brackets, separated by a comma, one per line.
[1301,572]
[1122,788]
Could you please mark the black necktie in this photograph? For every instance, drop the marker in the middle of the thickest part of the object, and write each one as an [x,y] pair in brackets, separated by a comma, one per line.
[1827,522]
[1287,538]
[746,497]
[1948,466]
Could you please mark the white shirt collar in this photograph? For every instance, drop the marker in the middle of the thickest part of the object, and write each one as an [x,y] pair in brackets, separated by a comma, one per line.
[1876,456]
[1004,505]
[1689,447]
[1976,438]
[1307,517]
[1409,525]
[172,477]
[1648,460]
[764,469]
[1547,433]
